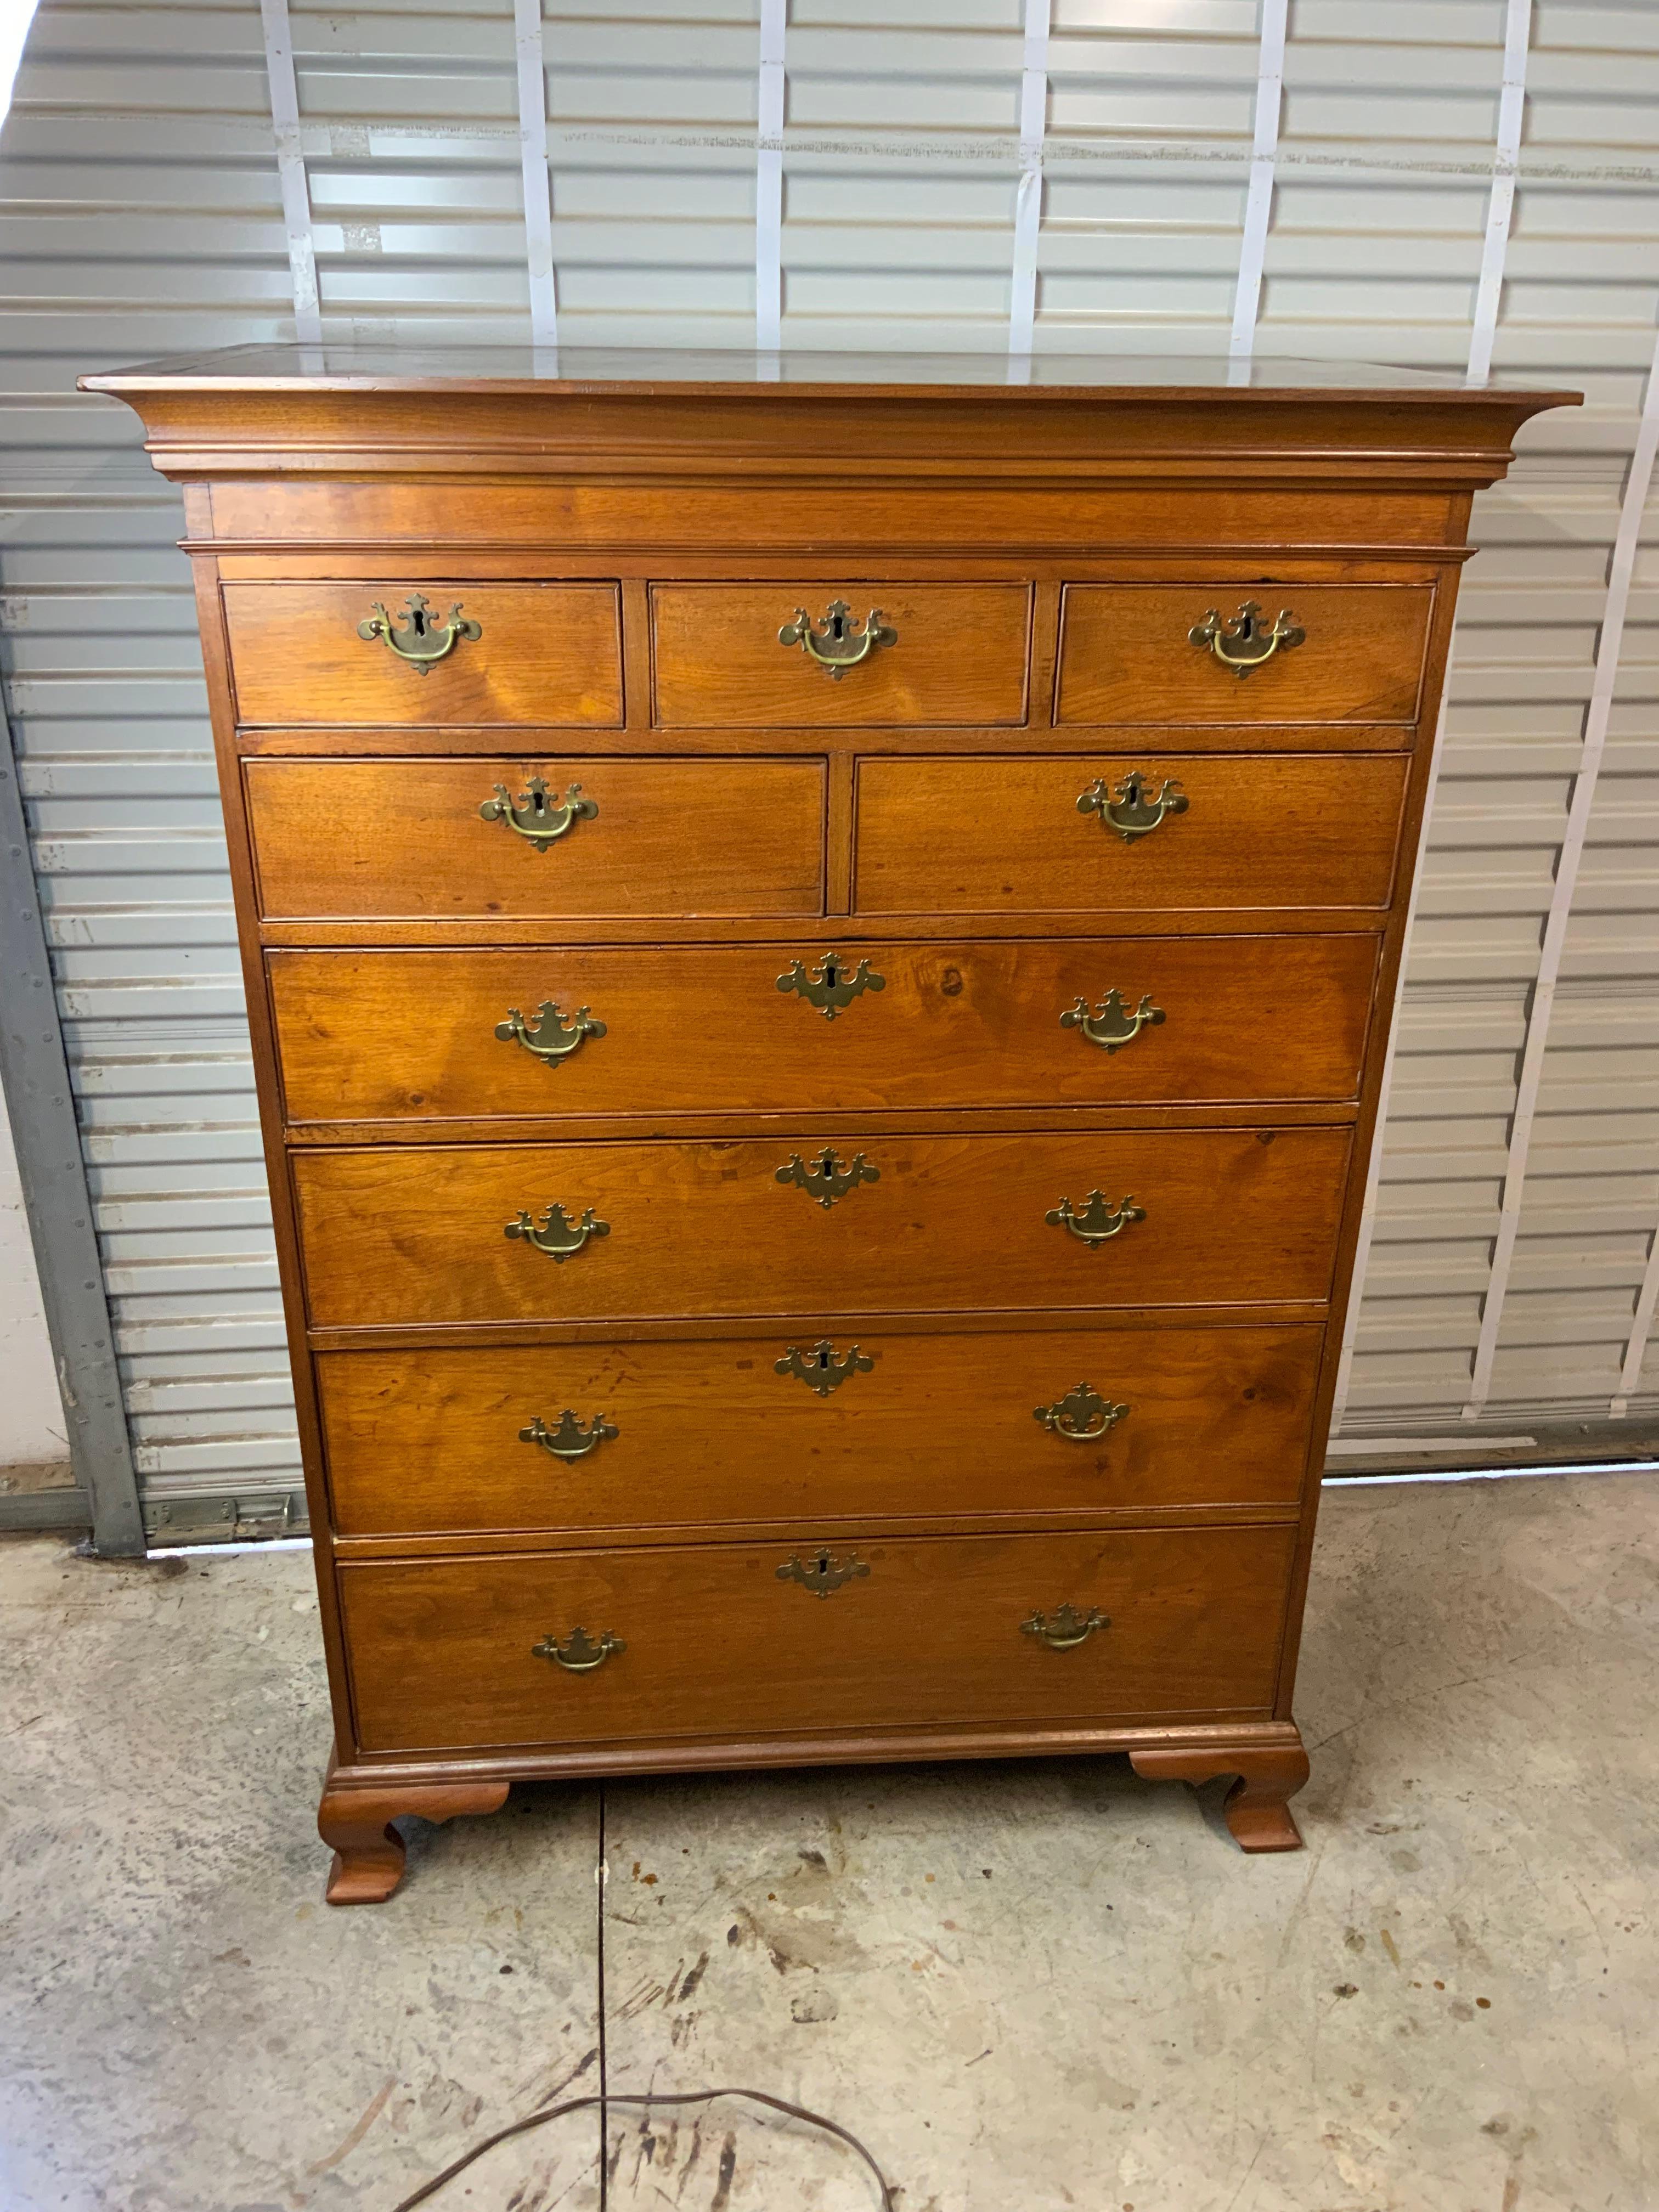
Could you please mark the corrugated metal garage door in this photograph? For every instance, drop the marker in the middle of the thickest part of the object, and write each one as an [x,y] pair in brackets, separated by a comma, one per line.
[948,175]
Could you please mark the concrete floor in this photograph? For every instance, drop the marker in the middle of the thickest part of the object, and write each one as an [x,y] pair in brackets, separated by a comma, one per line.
[1026,1986]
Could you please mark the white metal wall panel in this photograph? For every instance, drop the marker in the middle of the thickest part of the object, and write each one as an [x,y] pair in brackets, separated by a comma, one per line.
[895,233]
[1579,305]
[409,124]
[140,212]
[653,113]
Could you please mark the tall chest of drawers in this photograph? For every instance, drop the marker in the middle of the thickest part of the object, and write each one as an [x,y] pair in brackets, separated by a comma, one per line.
[819,939]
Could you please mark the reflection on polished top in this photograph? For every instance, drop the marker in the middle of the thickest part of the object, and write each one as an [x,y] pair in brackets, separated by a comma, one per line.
[1126,373]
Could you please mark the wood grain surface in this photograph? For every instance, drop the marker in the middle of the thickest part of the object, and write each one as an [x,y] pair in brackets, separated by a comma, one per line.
[392,838]
[960,835]
[387,1035]
[549,654]
[407,1234]
[935,1426]
[442,1655]
[1126,655]
[960,654]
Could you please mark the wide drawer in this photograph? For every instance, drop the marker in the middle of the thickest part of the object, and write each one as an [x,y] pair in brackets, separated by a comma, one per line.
[879,1427]
[459,1653]
[1127,653]
[1057,833]
[395,1035]
[938,654]
[454,840]
[543,653]
[405,1233]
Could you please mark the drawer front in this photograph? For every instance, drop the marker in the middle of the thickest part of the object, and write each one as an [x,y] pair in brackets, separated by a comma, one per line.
[396,840]
[772,1428]
[443,1654]
[544,654]
[1127,653]
[404,1234]
[393,1036]
[947,653]
[1213,833]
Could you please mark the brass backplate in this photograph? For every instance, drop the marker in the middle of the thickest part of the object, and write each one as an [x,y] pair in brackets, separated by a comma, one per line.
[824,1178]
[1065,1628]
[822,1571]
[821,1369]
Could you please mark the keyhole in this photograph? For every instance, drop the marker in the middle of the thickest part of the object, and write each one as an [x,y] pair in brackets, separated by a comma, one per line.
[831,973]
[838,627]
[418,619]
[822,1566]
[824,1360]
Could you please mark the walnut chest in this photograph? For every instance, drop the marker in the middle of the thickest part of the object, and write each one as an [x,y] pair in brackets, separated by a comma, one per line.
[819,939]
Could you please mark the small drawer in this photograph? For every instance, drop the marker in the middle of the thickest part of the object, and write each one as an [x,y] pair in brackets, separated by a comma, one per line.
[940,653]
[716,1029]
[436,654]
[498,840]
[1086,834]
[401,1233]
[1129,653]
[923,1632]
[874,1426]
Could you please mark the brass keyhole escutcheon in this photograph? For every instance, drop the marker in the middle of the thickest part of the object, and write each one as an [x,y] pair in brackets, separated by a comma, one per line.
[824,1178]
[820,1369]
[831,984]
[822,1571]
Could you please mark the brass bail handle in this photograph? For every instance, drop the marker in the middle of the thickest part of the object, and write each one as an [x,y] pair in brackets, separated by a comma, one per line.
[1096,1221]
[535,814]
[579,1653]
[1081,1416]
[1130,806]
[550,1036]
[842,643]
[1111,1025]
[1065,1628]
[557,1234]
[570,1440]
[416,636]
[1245,641]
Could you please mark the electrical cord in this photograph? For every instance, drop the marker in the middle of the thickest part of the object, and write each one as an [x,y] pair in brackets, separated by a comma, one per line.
[428,2188]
